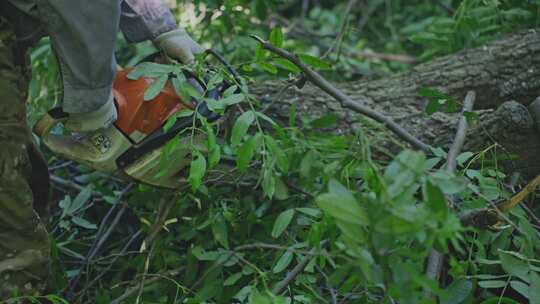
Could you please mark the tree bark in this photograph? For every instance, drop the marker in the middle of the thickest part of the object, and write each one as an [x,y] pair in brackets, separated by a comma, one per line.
[505,75]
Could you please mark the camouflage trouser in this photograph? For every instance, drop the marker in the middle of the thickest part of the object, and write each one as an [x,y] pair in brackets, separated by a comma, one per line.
[24,244]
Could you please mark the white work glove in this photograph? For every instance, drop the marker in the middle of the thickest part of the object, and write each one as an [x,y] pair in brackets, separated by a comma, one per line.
[178,45]
[101,118]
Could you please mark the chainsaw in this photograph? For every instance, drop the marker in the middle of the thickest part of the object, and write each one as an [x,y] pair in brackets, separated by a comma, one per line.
[139,130]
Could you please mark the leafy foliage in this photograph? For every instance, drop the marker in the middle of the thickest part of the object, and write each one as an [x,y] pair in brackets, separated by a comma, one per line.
[362,227]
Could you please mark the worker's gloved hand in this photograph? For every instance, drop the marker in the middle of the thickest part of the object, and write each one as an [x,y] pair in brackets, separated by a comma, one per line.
[178,45]
[101,118]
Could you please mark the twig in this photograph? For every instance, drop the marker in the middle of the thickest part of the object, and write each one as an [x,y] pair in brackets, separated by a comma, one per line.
[491,214]
[461,133]
[520,196]
[109,266]
[66,183]
[131,291]
[163,212]
[282,285]
[109,231]
[436,258]
[145,273]
[330,288]
[100,240]
[342,31]
[533,216]
[60,166]
[344,99]
[96,247]
[269,246]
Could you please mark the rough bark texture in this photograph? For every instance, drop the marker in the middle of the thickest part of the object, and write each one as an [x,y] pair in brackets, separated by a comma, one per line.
[505,70]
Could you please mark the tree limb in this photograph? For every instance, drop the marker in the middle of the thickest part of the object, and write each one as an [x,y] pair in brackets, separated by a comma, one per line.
[344,99]
[282,285]
[436,258]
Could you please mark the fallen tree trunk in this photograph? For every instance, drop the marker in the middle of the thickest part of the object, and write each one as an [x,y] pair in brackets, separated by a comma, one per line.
[505,70]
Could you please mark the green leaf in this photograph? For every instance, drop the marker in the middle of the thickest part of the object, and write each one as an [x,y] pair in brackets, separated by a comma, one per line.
[520,287]
[457,292]
[432,106]
[245,153]
[282,160]
[471,116]
[500,300]
[231,280]
[241,127]
[326,121]
[197,170]
[448,182]
[259,53]
[534,288]
[180,83]
[150,70]
[202,255]
[266,118]
[269,182]
[463,157]
[230,91]
[337,188]
[192,92]
[248,68]
[231,100]
[282,222]
[80,200]
[79,221]
[283,262]
[282,191]
[427,38]
[172,120]
[492,284]
[307,163]
[267,67]
[155,88]
[517,13]
[315,62]
[214,150]
[514,266]
[276,37]
[432,93]
[310,211]
[343,206]
[435,199]
[219,230]
[287,65]
[216,79]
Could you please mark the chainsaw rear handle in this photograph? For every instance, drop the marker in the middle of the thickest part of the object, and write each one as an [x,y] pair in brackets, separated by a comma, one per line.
[50,120]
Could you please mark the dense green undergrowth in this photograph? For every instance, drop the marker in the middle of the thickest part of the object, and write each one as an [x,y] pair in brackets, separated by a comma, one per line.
[359,228]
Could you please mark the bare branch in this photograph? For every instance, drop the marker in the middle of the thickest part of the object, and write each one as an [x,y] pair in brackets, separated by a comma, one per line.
[282,285]
[461,133]
[436,258]
[344,99]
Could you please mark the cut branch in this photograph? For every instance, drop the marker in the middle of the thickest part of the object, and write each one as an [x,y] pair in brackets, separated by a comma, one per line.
[343,98]
[281,285]
[436,258]
[505,74]
[461,133]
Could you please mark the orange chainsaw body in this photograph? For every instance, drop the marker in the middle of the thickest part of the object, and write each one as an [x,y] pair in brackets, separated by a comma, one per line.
[138,134]
[138,118]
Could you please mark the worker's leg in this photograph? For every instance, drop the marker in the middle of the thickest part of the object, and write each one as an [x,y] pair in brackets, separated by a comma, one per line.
[24,246]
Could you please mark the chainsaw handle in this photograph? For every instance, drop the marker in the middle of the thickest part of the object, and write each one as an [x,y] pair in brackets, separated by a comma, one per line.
[48,121]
